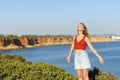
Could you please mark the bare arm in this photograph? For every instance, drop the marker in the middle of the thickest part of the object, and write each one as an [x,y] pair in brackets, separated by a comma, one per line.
[70,52]
[93,50]
[71,49]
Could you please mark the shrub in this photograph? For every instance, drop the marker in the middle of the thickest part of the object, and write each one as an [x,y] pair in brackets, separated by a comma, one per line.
[14,67]
[96,74]
[17,68]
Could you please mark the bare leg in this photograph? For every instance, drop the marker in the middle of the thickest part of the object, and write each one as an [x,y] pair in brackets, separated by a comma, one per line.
[79,74]
[85,74]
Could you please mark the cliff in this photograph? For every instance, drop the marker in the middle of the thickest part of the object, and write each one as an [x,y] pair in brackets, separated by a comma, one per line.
[9,43]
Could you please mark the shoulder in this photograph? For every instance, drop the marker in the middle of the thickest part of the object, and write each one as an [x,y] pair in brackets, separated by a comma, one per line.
[86,39]
[74,37]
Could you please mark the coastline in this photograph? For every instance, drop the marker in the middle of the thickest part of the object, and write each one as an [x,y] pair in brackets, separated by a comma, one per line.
[21,42]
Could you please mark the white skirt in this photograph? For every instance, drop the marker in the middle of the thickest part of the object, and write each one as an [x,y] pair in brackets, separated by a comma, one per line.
[81,60]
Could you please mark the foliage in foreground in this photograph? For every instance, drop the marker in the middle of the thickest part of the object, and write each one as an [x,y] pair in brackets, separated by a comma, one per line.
[14,67]
[96,74]
[17,68]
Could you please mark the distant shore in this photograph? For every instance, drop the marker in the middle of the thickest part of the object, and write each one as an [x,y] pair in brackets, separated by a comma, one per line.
[19,42]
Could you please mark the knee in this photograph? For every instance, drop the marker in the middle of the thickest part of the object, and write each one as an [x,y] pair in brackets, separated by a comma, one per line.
[79,76]
[85,76]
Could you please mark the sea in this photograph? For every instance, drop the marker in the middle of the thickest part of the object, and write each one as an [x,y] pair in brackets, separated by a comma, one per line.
[56,55]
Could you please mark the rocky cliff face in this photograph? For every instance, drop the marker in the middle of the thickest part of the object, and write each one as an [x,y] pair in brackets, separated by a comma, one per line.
[100,39]
[8,43]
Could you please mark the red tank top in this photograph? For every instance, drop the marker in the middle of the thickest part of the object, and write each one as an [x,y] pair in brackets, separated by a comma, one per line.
[80,44]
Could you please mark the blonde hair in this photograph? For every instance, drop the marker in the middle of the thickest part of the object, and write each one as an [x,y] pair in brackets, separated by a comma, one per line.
[85,31]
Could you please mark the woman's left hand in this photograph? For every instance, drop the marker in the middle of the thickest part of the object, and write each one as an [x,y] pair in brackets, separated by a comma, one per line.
[101,60]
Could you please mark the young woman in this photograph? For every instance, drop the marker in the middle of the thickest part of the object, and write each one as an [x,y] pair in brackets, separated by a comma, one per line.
[81,59]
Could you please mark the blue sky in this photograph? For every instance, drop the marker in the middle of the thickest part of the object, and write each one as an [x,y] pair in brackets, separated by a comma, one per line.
[59,17]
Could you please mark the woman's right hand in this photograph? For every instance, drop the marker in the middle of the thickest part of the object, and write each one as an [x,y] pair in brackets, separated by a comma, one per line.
[68,59]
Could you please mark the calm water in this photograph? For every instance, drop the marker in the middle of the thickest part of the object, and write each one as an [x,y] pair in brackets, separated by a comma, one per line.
[56,55]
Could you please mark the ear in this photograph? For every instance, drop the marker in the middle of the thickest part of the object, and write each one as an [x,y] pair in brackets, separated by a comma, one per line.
[83,28]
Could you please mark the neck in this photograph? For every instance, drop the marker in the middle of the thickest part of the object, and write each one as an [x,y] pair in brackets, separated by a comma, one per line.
[80,34]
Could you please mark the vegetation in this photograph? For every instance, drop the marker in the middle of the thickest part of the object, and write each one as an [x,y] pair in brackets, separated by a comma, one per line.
[17,68]
[96,74]
[14,67]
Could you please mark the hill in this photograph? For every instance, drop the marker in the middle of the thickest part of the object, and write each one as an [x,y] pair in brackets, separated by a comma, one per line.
[14,67]
[17,68]
[29,41]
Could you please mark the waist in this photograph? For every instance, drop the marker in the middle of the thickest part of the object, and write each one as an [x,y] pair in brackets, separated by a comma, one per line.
[79,50]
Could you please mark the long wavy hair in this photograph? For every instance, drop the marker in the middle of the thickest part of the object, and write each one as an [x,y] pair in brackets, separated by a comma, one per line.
[85,31]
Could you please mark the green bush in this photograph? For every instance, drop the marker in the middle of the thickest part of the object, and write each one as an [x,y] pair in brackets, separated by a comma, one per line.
[97,74]
[14,67]
[106,76]
[17,68]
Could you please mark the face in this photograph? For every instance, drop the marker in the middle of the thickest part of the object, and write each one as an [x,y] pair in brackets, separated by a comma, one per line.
[80,28]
